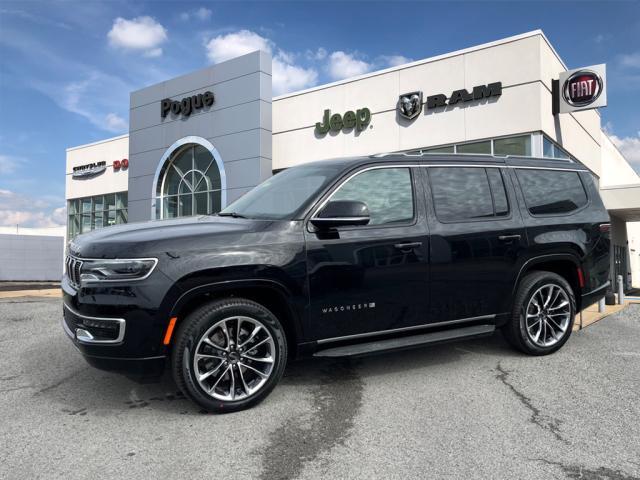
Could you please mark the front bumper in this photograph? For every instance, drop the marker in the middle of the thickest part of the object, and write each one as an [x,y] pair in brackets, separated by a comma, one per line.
[119,327]
[90,330]
[83,338]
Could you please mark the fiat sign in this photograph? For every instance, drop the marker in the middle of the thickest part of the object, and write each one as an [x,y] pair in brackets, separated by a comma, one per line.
[583,89]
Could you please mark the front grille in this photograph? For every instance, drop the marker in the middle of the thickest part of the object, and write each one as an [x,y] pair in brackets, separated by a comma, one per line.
[73,266]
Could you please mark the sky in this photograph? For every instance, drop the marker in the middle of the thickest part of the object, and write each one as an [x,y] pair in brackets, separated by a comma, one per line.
[67,68]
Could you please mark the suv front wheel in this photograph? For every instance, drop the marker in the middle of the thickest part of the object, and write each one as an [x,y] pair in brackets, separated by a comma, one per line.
[229,354]
[543,314]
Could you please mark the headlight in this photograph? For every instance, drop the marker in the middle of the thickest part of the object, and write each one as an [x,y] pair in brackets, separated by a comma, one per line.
[116,269]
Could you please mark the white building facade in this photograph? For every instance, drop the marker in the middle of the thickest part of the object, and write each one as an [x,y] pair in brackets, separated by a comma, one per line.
[199,141]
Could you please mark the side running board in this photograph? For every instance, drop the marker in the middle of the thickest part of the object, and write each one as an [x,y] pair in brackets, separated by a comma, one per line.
[407,342]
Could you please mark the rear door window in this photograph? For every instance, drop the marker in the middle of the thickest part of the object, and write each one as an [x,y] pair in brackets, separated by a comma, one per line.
[552,192]
[468,193]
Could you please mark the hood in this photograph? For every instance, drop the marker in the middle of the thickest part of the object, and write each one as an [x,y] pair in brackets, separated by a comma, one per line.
[149,238]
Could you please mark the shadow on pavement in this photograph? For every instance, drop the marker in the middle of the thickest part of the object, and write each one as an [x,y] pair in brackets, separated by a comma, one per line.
[80,386]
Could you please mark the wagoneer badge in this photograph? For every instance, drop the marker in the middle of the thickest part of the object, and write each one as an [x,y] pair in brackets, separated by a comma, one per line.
[352,307]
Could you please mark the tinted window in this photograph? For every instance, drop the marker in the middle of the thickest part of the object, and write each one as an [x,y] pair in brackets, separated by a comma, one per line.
[448,149]
[551,192]
[387,192]
[284,194]
[464,193]
[513,146]
[476,147]
[500,202]
[551,150]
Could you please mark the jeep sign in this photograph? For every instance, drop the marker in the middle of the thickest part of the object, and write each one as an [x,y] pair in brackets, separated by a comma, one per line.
[350,120]
[582,89]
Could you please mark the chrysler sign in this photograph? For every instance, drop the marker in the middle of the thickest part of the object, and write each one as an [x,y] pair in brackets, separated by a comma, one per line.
[582,89]
[89,170]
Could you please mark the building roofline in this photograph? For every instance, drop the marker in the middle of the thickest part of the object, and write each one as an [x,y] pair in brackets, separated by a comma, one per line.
[119,137]
[619,187]
[435,58]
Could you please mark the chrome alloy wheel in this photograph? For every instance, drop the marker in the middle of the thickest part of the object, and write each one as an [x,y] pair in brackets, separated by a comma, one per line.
[234,358]
[548,315]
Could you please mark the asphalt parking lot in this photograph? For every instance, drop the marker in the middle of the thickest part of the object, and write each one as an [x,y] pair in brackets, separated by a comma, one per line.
[467,410]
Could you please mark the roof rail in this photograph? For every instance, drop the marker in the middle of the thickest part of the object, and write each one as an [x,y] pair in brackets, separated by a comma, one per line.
[531,157]
[420,153]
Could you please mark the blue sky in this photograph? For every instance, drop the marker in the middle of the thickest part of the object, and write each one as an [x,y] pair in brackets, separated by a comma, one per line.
[66,68]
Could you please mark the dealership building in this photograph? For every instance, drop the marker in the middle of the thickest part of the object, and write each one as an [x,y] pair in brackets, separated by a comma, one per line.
[198,142]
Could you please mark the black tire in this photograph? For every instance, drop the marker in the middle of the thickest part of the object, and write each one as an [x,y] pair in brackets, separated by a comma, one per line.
[515,330]
[191,332]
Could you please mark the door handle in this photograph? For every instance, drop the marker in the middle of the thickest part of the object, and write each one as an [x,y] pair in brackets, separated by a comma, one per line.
[405,247]
[509,238]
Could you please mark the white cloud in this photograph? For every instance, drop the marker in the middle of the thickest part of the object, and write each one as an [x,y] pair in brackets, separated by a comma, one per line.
[77,87]
[630,60]
[394,60]
[9,164]
[153,53]
[115,123]
[59,215]
[26,211]
[319,54]
[201,14]
[94,98]
[39,19]
[344,65]
[629,147]
[287,75]
[225,47]
[140,34]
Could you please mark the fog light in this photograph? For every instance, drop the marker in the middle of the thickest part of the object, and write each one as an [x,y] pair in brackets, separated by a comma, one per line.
[103,324]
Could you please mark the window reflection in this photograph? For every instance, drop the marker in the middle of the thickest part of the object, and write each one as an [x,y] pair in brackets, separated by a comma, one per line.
[465,193]
[551,192]
[90,213]
[190,184]
[387,192]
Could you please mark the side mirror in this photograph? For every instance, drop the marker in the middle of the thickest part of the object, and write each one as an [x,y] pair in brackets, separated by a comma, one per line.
[342,213]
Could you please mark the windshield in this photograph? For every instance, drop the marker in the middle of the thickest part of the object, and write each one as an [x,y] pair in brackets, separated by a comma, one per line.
[284,194]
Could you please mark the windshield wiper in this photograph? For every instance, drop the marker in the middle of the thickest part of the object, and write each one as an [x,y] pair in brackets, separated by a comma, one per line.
[230,214]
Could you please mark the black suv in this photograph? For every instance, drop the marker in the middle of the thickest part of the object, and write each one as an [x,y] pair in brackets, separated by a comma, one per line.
[340,258]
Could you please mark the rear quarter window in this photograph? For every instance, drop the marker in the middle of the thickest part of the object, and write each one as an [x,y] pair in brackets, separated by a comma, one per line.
[552,192]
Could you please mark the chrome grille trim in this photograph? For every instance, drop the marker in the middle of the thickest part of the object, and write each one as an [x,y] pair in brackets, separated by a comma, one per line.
[73,267]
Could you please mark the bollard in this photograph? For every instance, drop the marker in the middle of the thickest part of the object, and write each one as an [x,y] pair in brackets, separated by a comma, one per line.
[601,305]
[620,290]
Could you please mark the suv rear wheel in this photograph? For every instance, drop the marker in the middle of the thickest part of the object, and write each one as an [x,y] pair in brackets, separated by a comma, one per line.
[543,314]
[229,355]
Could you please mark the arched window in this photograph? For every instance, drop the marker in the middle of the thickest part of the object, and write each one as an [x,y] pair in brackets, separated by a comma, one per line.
[189,183]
